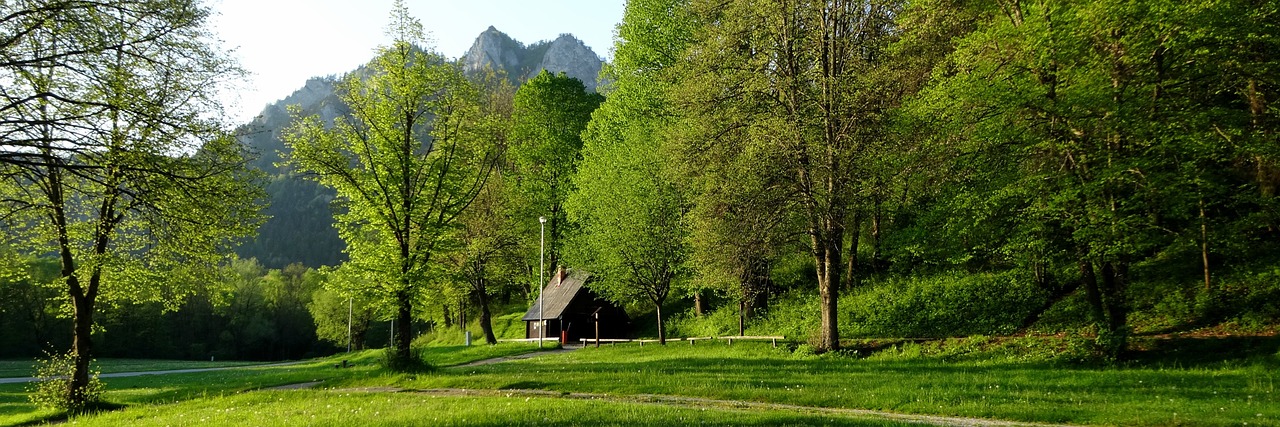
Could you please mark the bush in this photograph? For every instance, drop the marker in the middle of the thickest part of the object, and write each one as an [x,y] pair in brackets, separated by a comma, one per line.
[793,315]
[944,305]
[719,322]
[53,388]
[415,363]
[1248,299]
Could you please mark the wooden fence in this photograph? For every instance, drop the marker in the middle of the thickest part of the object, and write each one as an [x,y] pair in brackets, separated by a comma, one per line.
[729,339]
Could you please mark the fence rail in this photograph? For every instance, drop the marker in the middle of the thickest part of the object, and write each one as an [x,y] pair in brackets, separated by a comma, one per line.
[529,339]
[729,339]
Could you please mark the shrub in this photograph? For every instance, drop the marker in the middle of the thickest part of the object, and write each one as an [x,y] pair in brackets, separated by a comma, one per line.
[415,363]
[1244,298]
[793,315]
[719,322]
[53,388]
[944,305]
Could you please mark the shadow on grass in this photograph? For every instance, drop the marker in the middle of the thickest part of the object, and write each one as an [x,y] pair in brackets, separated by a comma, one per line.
[1205,351]
[91,409]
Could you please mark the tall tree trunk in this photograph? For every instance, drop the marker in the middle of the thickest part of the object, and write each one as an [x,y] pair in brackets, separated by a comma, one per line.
[1089,280]
[662,332]
[876,224]
[404,318]
[553,247]
[855,233]
[827,257]
[82,342]
[698,306]
[462,314]
[742,316]
[448,318]
[1204,246]
[1114,289]
[486,322]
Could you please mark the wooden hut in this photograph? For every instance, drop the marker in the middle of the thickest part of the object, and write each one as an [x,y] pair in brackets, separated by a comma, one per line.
[573,311]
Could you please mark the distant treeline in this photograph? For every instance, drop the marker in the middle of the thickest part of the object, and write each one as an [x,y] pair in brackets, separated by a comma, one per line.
[253,313]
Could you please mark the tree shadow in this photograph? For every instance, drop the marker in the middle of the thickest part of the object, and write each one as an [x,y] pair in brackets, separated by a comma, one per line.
[1204,351]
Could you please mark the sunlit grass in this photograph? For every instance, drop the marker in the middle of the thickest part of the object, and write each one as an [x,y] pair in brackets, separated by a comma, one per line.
[441,356]
[26,367]
[995,386]
[16,408]
[141,391]
[320,408]
[1024,391]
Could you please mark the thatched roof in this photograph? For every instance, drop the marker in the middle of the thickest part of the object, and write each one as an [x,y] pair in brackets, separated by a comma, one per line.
[559,293]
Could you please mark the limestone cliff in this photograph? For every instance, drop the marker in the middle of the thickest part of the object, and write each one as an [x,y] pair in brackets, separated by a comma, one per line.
[567,54]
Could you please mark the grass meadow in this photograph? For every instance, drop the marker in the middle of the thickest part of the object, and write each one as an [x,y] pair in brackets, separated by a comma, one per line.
[901,378]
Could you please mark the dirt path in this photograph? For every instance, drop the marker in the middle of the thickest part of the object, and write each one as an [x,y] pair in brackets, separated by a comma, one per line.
[703,403]
[20,380]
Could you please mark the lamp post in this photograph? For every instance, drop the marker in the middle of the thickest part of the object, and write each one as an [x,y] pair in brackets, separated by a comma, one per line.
[542,249]
[349,305]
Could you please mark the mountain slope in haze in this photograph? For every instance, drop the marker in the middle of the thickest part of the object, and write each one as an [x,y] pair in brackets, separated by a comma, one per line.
[300,227]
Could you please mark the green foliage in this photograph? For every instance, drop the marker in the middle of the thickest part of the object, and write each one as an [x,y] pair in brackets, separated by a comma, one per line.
[507,326]
[338,320]
[628,202]
[786,108]
[114,133]
[551,111]
[942,305]
[410,159]
[721,321]
[391,359]
[54,388]
[1080,147]
[793,315]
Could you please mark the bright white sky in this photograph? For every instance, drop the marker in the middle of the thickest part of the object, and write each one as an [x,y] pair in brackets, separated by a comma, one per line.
[284,42]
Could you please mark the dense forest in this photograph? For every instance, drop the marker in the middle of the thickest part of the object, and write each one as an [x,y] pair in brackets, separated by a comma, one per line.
[823,170]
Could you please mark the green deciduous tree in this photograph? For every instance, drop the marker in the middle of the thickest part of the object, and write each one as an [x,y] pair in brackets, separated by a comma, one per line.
[800,87]
[405,166]
[341,316]
[1108,132]
[113,155]
[628,203]
[551,111]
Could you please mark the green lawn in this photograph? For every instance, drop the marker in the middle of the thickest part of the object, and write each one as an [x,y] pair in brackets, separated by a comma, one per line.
[25,367]
[15,408]
[1229,394]
[996,387]
[442,356]
[325,408]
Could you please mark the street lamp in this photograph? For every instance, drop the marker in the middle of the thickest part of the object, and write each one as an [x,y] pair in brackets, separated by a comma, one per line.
[542,249]
[349,305]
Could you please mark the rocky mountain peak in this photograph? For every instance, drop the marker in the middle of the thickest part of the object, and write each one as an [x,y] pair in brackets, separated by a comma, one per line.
[567,54]
[493,49]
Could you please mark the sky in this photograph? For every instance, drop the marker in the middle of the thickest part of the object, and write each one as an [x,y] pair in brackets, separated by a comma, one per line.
[282,43]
